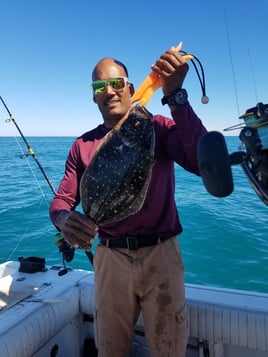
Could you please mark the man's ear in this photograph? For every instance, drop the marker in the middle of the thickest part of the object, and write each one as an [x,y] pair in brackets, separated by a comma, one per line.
[94,99]
[131,89]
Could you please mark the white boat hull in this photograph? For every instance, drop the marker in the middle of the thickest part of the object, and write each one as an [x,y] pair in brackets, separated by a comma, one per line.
[44,314]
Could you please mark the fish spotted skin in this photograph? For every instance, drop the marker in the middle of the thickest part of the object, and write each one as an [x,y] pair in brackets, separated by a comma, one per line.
[115,183]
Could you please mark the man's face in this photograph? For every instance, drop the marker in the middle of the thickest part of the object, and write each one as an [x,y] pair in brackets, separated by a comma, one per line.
[113,103]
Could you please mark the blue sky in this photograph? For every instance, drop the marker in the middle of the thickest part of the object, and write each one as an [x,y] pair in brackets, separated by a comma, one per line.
[48,50]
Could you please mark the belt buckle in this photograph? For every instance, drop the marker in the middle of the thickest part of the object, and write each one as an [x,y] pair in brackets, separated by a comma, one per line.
[132,243]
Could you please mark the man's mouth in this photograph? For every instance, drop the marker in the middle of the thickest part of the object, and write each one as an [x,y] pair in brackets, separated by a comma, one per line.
[111,102]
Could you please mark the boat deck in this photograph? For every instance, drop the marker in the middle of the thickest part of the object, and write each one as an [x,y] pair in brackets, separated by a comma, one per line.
[42,310]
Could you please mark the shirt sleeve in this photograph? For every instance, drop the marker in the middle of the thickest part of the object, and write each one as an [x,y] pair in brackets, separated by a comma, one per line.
[68,197]
[179,139]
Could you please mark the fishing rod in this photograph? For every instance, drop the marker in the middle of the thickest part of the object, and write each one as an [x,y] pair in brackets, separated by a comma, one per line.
[11,118]
[66,250]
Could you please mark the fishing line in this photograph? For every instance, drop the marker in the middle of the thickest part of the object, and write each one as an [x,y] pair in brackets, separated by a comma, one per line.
[25,157]
[253,75]
[34,175]
[31,152]
[250,58]
[34,217]
[11,118]
[231,57]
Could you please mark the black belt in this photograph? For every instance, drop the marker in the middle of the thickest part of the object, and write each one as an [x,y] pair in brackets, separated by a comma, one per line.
[133,242]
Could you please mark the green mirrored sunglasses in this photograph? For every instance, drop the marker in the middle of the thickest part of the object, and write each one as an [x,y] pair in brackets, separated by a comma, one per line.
[117,83]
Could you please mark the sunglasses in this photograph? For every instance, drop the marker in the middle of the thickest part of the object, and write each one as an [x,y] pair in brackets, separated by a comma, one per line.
[116,83]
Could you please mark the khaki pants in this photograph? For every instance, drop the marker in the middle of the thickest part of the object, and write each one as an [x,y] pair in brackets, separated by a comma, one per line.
[150,280]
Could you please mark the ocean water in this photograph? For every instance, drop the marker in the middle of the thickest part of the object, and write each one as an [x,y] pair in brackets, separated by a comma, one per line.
[224,242]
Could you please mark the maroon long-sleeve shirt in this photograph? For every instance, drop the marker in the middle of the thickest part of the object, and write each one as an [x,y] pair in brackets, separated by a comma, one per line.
[176,141]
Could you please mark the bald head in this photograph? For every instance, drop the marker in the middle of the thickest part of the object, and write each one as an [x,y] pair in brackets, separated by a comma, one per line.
[105,63]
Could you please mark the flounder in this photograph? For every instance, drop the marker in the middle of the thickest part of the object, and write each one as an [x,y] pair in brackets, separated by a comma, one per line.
[115,183]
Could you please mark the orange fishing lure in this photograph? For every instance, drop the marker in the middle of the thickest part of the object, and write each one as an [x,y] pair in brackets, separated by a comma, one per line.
[151,83]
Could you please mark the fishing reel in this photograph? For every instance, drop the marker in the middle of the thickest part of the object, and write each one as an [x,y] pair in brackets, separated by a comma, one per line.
[64,248]
[215,162]
[68,252]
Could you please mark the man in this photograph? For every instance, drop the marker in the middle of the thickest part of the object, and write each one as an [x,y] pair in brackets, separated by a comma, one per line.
[148,275]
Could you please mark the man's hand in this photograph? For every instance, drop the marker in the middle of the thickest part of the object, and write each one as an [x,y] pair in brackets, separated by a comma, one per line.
[172,68]
[77,230]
